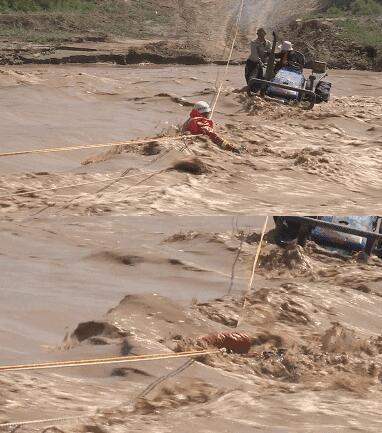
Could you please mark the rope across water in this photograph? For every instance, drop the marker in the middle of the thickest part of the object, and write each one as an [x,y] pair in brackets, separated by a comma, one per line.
[103,361]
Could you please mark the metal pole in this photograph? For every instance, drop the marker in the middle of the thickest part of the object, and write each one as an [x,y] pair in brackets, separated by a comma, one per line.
[333,226]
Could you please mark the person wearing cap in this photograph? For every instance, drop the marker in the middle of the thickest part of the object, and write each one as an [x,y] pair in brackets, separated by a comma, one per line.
[285,56]
[199,123]
[260,51]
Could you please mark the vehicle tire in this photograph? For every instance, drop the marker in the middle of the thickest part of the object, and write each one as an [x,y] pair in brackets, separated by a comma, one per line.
[286,233]
[379,245]
[303,235]
[322,91]
[370,247]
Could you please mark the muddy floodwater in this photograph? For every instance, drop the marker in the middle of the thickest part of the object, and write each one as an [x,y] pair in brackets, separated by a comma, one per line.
[90,287]
[326,160]
[124,251]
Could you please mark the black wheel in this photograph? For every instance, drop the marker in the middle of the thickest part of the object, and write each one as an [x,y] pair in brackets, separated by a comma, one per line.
[378,247]
[371,245]
[303,235]
[286,232]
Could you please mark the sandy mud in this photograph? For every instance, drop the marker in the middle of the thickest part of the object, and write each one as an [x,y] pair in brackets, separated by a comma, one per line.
[110,286]
[180,31]
[331,153]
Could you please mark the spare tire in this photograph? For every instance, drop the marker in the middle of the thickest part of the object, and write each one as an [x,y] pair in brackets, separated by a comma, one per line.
[322,91]
[378,251]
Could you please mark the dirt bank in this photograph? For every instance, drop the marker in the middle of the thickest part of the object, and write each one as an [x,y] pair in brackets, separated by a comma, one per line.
[183,33]
[126,53]
[328,40]
[171,31]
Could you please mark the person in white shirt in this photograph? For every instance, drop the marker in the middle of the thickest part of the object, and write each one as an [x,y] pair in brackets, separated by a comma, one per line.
[288,55]
[260,51]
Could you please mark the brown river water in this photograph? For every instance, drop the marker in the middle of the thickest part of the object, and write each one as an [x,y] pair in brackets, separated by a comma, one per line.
[154,283]
[158,266]
[326,160]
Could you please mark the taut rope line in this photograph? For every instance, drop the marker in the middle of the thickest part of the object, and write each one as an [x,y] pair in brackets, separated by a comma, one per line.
[258,251]
[103,361]
[89,146]
[240,14]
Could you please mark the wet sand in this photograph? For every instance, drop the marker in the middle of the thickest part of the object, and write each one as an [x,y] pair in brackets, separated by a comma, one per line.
[332,152]
[164,282]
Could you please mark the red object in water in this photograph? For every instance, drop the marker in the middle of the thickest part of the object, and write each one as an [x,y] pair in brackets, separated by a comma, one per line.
[197,124]
[236,342]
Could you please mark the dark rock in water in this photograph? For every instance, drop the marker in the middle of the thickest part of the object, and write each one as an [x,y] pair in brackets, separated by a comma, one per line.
[96,333]
[126,371]
[152,148]
[193,166]
[94,429]
[92,329]
[114,257]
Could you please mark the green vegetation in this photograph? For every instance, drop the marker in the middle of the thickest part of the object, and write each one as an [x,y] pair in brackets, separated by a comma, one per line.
[365,33]
[337,8]
[46,5]
[355,20]
[59,20]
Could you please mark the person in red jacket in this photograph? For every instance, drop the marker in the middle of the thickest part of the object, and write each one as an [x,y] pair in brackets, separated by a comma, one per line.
[199,123]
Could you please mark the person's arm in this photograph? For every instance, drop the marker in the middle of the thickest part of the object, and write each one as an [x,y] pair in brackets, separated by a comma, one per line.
[219,141]
[212,135]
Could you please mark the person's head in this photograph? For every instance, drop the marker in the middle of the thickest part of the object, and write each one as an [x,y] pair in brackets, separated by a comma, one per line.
[286,46]
[261,33]
[203,108]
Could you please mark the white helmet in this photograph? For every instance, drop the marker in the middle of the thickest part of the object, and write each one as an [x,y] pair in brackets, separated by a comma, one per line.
[202,107]
[286,46]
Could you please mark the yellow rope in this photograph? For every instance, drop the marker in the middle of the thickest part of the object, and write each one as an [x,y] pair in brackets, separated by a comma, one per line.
[103,361]
[47,420]
[256,259]
[258,253]
[229,57]
[97,362]
[143,394]
[89,146]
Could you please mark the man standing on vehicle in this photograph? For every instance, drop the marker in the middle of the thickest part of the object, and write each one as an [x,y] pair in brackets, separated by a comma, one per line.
[260,50]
